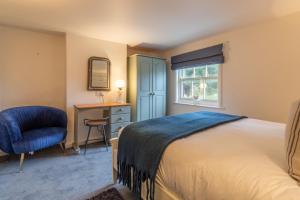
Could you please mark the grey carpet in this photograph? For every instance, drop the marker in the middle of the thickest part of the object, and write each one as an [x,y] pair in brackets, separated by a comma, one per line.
[52,175]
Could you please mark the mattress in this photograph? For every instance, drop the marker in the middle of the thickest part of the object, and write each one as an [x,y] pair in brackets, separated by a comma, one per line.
[238,160]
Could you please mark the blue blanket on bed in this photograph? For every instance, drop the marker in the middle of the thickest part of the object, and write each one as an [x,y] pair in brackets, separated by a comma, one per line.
[141,144]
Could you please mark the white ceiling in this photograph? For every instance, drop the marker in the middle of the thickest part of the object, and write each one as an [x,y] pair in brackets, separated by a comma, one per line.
[148,23]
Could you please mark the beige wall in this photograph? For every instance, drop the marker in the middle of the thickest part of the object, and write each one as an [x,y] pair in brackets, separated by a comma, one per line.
[32,68]
[261,71]
[79,49]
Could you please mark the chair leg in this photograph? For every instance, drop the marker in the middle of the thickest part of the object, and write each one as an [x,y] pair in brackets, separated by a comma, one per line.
[87,139]
[104,136]
[21,162]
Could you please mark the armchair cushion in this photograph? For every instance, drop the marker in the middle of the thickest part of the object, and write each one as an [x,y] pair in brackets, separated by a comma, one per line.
[37,139]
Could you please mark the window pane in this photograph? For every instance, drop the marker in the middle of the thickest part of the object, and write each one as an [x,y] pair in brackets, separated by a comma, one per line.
[198,90]
[199,85]
[211,90]
[212,70]
[186,89]
[200,71]
[188,73]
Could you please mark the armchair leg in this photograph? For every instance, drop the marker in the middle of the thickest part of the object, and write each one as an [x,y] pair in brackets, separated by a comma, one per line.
[21,162]
[62,146]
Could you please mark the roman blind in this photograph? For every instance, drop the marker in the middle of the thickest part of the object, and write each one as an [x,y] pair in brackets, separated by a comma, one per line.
[206,56]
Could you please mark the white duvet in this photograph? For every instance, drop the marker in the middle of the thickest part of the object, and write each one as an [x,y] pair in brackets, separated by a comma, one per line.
[236,161]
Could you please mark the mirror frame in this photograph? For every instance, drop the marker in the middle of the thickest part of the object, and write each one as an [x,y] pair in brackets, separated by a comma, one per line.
[90,67]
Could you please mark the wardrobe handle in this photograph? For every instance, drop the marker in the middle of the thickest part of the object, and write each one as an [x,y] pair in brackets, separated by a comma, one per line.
[153,93]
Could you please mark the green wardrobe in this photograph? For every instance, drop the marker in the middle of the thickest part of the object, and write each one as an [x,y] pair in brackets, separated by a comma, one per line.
[147,87]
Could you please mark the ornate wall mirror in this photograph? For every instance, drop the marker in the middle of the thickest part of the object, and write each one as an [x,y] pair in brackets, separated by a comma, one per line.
[98,73]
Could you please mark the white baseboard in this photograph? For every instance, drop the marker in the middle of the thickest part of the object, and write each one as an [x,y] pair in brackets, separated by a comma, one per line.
[70,145]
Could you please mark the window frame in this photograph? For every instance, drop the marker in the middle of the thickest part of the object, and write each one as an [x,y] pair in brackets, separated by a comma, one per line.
[202,103]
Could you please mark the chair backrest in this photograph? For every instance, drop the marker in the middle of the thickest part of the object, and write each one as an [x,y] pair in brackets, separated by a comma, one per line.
[32,117]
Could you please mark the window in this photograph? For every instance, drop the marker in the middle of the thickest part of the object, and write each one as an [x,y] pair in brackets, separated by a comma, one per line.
[199,85]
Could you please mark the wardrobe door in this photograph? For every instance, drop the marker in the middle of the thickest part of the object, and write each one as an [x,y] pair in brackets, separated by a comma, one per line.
[144,104]
[159,87]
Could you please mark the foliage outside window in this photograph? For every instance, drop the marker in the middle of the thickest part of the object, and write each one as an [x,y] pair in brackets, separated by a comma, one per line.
[199,85]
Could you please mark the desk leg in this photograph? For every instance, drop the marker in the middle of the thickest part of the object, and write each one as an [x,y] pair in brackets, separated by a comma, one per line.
[76,144]
[77,149]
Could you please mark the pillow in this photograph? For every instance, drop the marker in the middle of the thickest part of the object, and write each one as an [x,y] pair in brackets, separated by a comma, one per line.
[292,141]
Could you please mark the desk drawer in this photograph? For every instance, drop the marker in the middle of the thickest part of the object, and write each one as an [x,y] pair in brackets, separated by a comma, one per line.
[116,127]
[120,118]
[120,110]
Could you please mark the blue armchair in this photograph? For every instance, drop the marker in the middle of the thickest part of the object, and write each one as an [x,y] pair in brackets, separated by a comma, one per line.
[31,128]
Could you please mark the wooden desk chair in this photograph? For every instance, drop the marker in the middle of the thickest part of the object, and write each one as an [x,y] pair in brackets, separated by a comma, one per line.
[100,125]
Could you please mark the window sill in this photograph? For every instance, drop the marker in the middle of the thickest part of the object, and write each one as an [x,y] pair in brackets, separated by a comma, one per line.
[200,105]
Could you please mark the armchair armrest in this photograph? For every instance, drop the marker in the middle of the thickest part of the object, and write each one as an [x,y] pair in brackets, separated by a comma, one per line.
[9,127]
[54,117]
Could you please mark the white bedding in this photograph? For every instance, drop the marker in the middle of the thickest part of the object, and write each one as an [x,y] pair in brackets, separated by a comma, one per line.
[236,161]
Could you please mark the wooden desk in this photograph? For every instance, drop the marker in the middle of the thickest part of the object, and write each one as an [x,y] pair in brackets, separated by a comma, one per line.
[118,113]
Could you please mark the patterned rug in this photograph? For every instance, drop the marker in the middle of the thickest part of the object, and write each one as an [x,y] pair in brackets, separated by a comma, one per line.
[110,194]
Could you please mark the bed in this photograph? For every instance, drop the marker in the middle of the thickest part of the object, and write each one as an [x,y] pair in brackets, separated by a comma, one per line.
[244,159]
